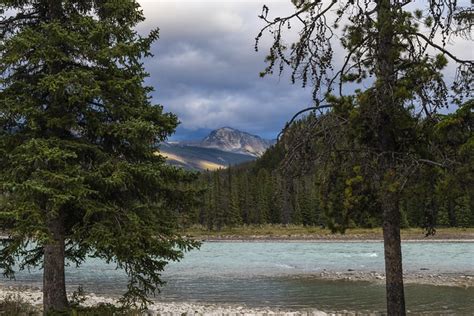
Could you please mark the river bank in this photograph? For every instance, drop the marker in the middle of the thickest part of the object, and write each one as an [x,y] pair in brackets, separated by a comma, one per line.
[298,276]
[423,277]
[33,297]
[307,233]
[311,233]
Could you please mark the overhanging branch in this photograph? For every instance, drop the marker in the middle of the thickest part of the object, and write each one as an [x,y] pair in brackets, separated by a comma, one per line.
[445,51]
[311,108]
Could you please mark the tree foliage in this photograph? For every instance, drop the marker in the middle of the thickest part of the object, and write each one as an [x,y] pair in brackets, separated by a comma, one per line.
[396,52]
[336,190]
[77,141]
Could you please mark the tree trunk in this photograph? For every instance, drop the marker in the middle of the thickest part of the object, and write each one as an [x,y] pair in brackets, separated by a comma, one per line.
[393,258]
[54,284]
[386,129]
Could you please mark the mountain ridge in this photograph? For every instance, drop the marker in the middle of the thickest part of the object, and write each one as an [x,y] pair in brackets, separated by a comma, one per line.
[221,148]
[233,140]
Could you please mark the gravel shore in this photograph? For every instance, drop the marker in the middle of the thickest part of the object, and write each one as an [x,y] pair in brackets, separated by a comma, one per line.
[35,297]
[423,277]
[363,237]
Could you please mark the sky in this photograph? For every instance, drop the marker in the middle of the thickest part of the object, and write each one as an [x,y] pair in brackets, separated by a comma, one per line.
[206,71]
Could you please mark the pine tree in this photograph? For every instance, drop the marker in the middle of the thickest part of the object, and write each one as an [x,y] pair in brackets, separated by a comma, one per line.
[221,211]
[276,200]
[234,217]
[262,196]
[80,176]
[453,133]
[245,198]
[385,40]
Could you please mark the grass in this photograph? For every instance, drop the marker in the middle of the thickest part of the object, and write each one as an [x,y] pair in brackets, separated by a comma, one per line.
[104,310]
[15,305]
[282,231]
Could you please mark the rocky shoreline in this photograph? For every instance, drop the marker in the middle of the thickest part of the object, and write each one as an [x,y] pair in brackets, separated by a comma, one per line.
[424,277]
[301,234]
[313,239]
[34,296]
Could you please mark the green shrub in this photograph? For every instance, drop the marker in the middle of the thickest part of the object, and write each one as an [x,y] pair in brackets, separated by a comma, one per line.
[14,305]
[104,310]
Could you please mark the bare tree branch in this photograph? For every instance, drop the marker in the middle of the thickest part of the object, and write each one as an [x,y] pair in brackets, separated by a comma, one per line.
[452,56]
[311,108]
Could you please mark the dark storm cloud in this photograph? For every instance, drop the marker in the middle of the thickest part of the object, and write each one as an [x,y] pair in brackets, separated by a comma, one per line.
[206,71]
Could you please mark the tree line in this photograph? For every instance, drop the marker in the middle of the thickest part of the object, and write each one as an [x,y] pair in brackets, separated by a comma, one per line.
[336,193]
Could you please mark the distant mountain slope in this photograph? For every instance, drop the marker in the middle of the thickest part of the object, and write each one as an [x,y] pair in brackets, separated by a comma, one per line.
[223,147]
[233,140]
[200,158]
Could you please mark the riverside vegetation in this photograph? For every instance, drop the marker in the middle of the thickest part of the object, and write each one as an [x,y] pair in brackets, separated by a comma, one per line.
[335,193]
[269,232]
[388,87]
[16,305]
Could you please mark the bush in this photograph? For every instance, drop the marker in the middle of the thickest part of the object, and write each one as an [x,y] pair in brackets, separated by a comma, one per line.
[14,305]
[104,310]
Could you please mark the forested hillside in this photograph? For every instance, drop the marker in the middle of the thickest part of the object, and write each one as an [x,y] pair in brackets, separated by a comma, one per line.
[333,188]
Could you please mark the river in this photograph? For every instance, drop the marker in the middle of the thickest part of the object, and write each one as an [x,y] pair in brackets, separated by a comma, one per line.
[282,274]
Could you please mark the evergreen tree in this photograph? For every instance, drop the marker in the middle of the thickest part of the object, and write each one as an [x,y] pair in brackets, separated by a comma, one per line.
[383,39]
[263,195]
[336,191]
[80,176]
[276,202]
[220,209]
[297,214]
[206,214]
[234,217]
[454,138]
[308,202]
[245,197]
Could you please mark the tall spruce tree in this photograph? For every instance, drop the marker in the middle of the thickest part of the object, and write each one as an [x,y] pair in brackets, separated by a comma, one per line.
[79,174]
[397,49]
[234,217]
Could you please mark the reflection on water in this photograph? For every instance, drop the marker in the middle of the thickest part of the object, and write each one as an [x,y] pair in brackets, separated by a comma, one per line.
[279,275]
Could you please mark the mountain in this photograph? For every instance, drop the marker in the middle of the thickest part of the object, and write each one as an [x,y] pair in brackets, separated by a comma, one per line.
[232,140]
[201,158]
[223,147]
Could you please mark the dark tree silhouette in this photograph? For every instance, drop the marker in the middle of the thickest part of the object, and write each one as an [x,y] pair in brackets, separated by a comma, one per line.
[80,175]
[397,49]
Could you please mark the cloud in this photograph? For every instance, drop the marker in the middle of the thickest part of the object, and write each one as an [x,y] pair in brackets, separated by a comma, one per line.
[257,110]
[206,70]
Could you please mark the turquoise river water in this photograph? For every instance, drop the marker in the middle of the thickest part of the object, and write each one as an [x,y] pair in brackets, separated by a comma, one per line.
[281,274]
